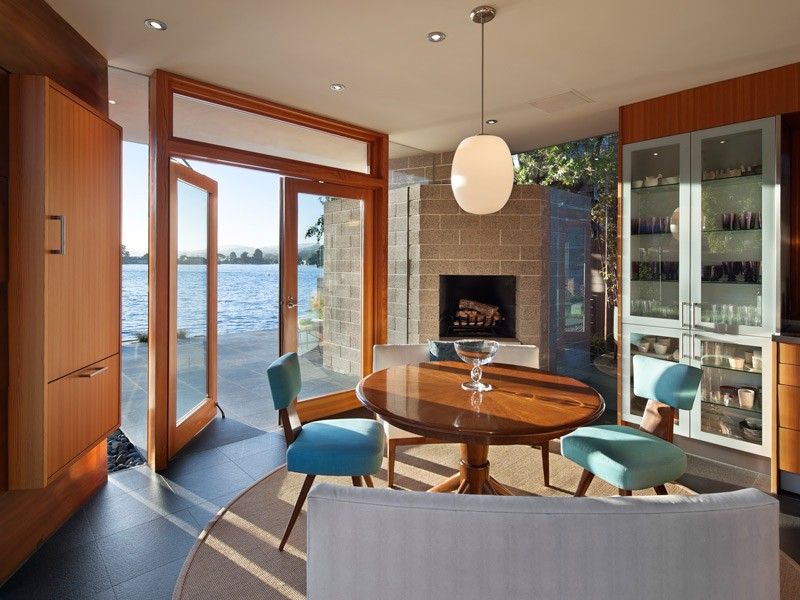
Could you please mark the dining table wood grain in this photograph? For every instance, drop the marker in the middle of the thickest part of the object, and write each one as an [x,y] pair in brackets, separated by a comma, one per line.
[526,406]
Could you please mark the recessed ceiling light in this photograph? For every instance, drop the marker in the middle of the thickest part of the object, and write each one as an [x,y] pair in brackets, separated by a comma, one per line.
[491,121]
[337,87]
[655,153]
[722,141]
[112,101]
[155,24]
[436,36]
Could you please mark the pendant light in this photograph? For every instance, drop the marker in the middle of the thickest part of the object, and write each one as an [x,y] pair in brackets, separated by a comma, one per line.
[482,174]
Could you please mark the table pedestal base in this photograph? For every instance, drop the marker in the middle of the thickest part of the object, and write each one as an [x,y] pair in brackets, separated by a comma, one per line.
[473,476]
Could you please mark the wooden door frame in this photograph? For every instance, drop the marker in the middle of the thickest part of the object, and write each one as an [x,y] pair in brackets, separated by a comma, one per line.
[292,188]
[197,418]
[163,146]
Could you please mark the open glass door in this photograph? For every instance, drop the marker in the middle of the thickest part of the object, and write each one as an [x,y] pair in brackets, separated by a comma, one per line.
[323,274]
[193,304]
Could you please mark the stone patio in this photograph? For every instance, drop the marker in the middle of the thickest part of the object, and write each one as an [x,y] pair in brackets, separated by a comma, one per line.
[243,389]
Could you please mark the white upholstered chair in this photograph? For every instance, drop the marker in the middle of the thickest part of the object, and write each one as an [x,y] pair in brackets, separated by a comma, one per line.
[392,355]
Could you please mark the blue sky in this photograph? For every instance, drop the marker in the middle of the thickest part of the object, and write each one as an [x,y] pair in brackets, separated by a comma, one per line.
[248,204]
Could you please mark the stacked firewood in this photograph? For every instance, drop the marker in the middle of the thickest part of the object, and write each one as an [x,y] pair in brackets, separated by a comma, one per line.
[476,314]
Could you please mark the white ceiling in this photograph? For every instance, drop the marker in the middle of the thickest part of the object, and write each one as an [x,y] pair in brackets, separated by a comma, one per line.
[427,95]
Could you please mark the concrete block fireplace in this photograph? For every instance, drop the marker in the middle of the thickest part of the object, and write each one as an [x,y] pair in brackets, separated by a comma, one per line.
[440,255]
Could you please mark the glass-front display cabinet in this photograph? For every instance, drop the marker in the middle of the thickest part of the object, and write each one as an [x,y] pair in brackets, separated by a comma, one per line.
[674,345]
[655,269]
[735,406]
[735,243]
[699,259]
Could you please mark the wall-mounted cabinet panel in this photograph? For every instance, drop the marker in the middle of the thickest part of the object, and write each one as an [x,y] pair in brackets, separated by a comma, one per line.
[64,279]
[82,400]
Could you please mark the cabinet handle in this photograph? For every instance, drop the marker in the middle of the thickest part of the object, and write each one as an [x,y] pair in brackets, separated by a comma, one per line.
[62,246]
[94,371]
[684,305]
[695,307]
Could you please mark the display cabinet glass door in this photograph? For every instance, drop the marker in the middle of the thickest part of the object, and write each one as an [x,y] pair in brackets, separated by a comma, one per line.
[668,344]
[734,239]
[734,408]
[656,192]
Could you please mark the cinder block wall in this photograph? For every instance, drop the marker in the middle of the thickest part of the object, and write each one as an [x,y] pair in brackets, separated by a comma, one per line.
[429,235]
[341,286]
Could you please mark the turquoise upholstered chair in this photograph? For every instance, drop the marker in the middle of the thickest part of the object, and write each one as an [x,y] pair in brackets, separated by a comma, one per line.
[348,447]
[632,459]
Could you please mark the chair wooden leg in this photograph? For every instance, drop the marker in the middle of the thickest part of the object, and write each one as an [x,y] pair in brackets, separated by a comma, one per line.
[297,507]
[357,481]
[368,481]
[661,490]
[625,492]
[583,484]
[390,454]
[546,464]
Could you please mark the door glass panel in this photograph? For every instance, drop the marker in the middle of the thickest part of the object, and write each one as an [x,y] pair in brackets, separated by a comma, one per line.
[329,291]
[731,390]
[655,232]
[661,347]
[191,344]
[731,229]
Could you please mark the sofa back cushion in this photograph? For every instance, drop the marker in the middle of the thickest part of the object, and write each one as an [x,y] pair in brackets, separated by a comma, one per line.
[393,545]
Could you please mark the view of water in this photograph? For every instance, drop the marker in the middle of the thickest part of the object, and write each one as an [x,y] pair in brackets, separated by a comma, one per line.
[247,297]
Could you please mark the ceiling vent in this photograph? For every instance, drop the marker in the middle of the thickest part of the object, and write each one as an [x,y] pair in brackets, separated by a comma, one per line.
[559,102]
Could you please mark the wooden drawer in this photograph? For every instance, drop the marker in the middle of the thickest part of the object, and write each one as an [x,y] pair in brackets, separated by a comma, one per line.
[789,450]
[81,409]
[789,407]
[789,374]
[789,353]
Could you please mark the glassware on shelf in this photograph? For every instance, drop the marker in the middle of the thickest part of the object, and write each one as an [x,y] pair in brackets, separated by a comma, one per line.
[476,353]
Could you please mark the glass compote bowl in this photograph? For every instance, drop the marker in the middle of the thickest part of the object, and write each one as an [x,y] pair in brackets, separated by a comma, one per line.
[476,353]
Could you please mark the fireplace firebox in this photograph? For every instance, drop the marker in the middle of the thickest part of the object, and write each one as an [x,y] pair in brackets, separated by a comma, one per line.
[478,306]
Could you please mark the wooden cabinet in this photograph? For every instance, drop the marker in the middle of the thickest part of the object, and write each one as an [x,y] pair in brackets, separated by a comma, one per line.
[64,279]
[787,449]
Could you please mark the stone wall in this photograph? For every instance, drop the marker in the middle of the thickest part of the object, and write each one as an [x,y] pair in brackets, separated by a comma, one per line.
[341,286]
[441,239]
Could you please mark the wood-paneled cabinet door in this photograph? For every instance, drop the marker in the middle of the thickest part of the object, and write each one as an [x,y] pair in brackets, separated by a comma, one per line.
[79,412]
[82,237]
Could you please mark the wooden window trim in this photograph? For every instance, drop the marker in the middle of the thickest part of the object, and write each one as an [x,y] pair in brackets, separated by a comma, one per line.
[164,146]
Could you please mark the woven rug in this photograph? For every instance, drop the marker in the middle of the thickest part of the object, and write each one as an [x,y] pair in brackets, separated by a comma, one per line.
[237,555]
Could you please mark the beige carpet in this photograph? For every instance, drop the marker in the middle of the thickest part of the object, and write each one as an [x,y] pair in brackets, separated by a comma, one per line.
[237,556]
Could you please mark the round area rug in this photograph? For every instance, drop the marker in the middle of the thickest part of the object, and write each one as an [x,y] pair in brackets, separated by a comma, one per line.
[237,555]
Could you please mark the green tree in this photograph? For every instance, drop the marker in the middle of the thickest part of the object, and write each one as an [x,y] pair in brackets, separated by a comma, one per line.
[587,167]
[258,256]
[317,232]
[244,257]
[232,257]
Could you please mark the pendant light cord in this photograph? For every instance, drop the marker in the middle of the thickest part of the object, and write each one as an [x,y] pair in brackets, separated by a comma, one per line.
[483,121]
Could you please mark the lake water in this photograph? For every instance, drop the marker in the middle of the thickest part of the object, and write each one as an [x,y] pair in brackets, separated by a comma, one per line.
[247,297]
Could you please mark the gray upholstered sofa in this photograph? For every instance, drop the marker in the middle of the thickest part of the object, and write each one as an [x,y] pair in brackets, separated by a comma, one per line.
[387,544]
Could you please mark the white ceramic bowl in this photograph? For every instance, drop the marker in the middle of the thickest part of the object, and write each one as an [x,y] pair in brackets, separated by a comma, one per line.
[661,348]
[637,184]
[669,180]
[736,362]
[644,346]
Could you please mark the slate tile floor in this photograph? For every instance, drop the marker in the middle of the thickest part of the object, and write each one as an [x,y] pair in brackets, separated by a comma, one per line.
[131,538]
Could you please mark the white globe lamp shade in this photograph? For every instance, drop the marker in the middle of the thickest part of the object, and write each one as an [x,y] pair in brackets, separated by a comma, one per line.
[482,174]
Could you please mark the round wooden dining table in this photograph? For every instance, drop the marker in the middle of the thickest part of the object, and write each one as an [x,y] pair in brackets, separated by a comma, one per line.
[527,406]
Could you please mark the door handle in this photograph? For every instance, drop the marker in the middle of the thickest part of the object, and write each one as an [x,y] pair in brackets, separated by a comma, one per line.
[696,306]
[93,372]
[62,245]
[684,306]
